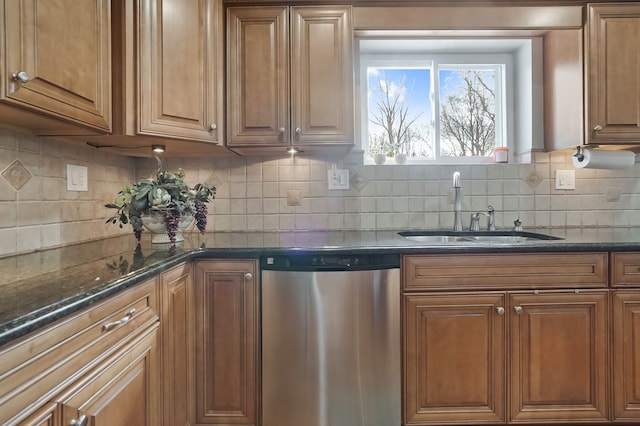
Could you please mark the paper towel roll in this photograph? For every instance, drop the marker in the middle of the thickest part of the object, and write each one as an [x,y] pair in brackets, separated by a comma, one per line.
[598,159]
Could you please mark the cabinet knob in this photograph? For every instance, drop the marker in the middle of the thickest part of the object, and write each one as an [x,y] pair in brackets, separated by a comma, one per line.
[282,130]
[298,131]
[517,309]
[597,128]
[213,126]
[80,421]
[248,276]
[500,310]
[20,76]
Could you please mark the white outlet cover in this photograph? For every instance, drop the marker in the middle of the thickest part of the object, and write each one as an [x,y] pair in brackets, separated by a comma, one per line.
[77,179]
[338,179]
[565,179]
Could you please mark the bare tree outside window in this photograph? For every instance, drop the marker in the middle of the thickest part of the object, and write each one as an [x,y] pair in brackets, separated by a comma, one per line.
[468,115]
[402,122]
[391,112]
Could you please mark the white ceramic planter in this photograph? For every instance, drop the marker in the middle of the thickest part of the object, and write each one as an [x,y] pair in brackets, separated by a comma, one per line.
[155,224]
[401,158]
[379,158]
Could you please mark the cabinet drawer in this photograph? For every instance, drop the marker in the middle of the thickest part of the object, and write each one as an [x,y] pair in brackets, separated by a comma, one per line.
[43,362]
[504,271]
[625,269]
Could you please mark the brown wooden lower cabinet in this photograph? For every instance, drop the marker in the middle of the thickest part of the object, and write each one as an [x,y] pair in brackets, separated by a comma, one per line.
[177,324]
[102,362]
[226,345]
[454,358]
[120,392]
[46,415]
[461,350]
[626,355]
[559,367]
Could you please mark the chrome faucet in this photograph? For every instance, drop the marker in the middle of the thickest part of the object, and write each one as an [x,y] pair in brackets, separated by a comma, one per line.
[457,203]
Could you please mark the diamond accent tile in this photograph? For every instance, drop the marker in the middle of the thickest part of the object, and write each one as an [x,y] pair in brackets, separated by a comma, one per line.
[534,179]
[17,175]
[358,181]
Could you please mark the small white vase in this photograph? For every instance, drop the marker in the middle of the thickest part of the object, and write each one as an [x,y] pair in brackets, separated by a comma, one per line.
[401,158]
[379,158]
[155,223]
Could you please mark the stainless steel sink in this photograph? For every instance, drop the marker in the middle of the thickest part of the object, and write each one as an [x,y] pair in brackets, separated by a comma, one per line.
[475,237]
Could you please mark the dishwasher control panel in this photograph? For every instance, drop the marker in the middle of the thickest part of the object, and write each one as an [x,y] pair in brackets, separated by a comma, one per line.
[311,262]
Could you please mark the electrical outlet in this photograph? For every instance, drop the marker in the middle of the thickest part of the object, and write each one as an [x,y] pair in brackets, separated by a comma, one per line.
[338,179]
[565,179]
[77,179]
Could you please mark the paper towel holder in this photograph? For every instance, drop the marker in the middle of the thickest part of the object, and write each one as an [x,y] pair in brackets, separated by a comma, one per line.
[579,155]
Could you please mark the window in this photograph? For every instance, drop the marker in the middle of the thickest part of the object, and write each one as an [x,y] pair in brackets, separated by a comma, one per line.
[442,101]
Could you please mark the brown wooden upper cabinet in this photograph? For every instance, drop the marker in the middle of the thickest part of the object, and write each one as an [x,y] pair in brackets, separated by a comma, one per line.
[168,79]
[56,66]
[289,78]
[612,73]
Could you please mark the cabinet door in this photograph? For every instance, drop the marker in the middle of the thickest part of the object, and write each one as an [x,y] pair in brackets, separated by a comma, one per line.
[60,53]
[45,416]
[122,391]
[559,366]
[454,358]
[613,70]
[177,324]
[322,75]
[226,342]
[258,76]
[180,69]
[626,356]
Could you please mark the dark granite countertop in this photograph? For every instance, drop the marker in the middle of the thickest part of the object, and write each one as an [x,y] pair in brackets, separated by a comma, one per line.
[40,287]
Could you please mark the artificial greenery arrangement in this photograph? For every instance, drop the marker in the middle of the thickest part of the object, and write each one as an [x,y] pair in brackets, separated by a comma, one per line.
[167,195]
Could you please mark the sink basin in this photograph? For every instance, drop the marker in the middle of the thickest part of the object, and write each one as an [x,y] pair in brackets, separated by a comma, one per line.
[475,237]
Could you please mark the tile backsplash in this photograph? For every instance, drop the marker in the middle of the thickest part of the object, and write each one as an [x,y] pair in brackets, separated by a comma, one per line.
[264,194]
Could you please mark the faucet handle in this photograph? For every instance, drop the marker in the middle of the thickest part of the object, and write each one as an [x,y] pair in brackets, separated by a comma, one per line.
[475,221]
[517,225]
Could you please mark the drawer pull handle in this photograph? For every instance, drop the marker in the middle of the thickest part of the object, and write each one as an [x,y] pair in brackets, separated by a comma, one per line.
[80,421]
[110,325]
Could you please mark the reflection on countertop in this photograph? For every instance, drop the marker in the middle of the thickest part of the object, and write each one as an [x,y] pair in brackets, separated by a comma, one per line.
[40,287]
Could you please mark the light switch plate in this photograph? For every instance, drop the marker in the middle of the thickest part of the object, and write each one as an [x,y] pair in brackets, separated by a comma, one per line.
[338,179]
[77,179]
[565,179]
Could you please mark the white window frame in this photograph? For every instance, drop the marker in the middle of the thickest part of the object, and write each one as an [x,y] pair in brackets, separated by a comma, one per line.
[514,100]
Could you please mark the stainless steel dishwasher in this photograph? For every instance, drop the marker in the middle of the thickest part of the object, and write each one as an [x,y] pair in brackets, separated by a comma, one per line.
[331,340]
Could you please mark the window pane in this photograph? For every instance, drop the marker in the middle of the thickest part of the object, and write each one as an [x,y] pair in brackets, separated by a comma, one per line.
[467,97]
[400,111]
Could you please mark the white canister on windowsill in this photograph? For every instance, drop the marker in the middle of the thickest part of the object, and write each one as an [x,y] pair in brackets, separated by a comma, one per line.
[501,154]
